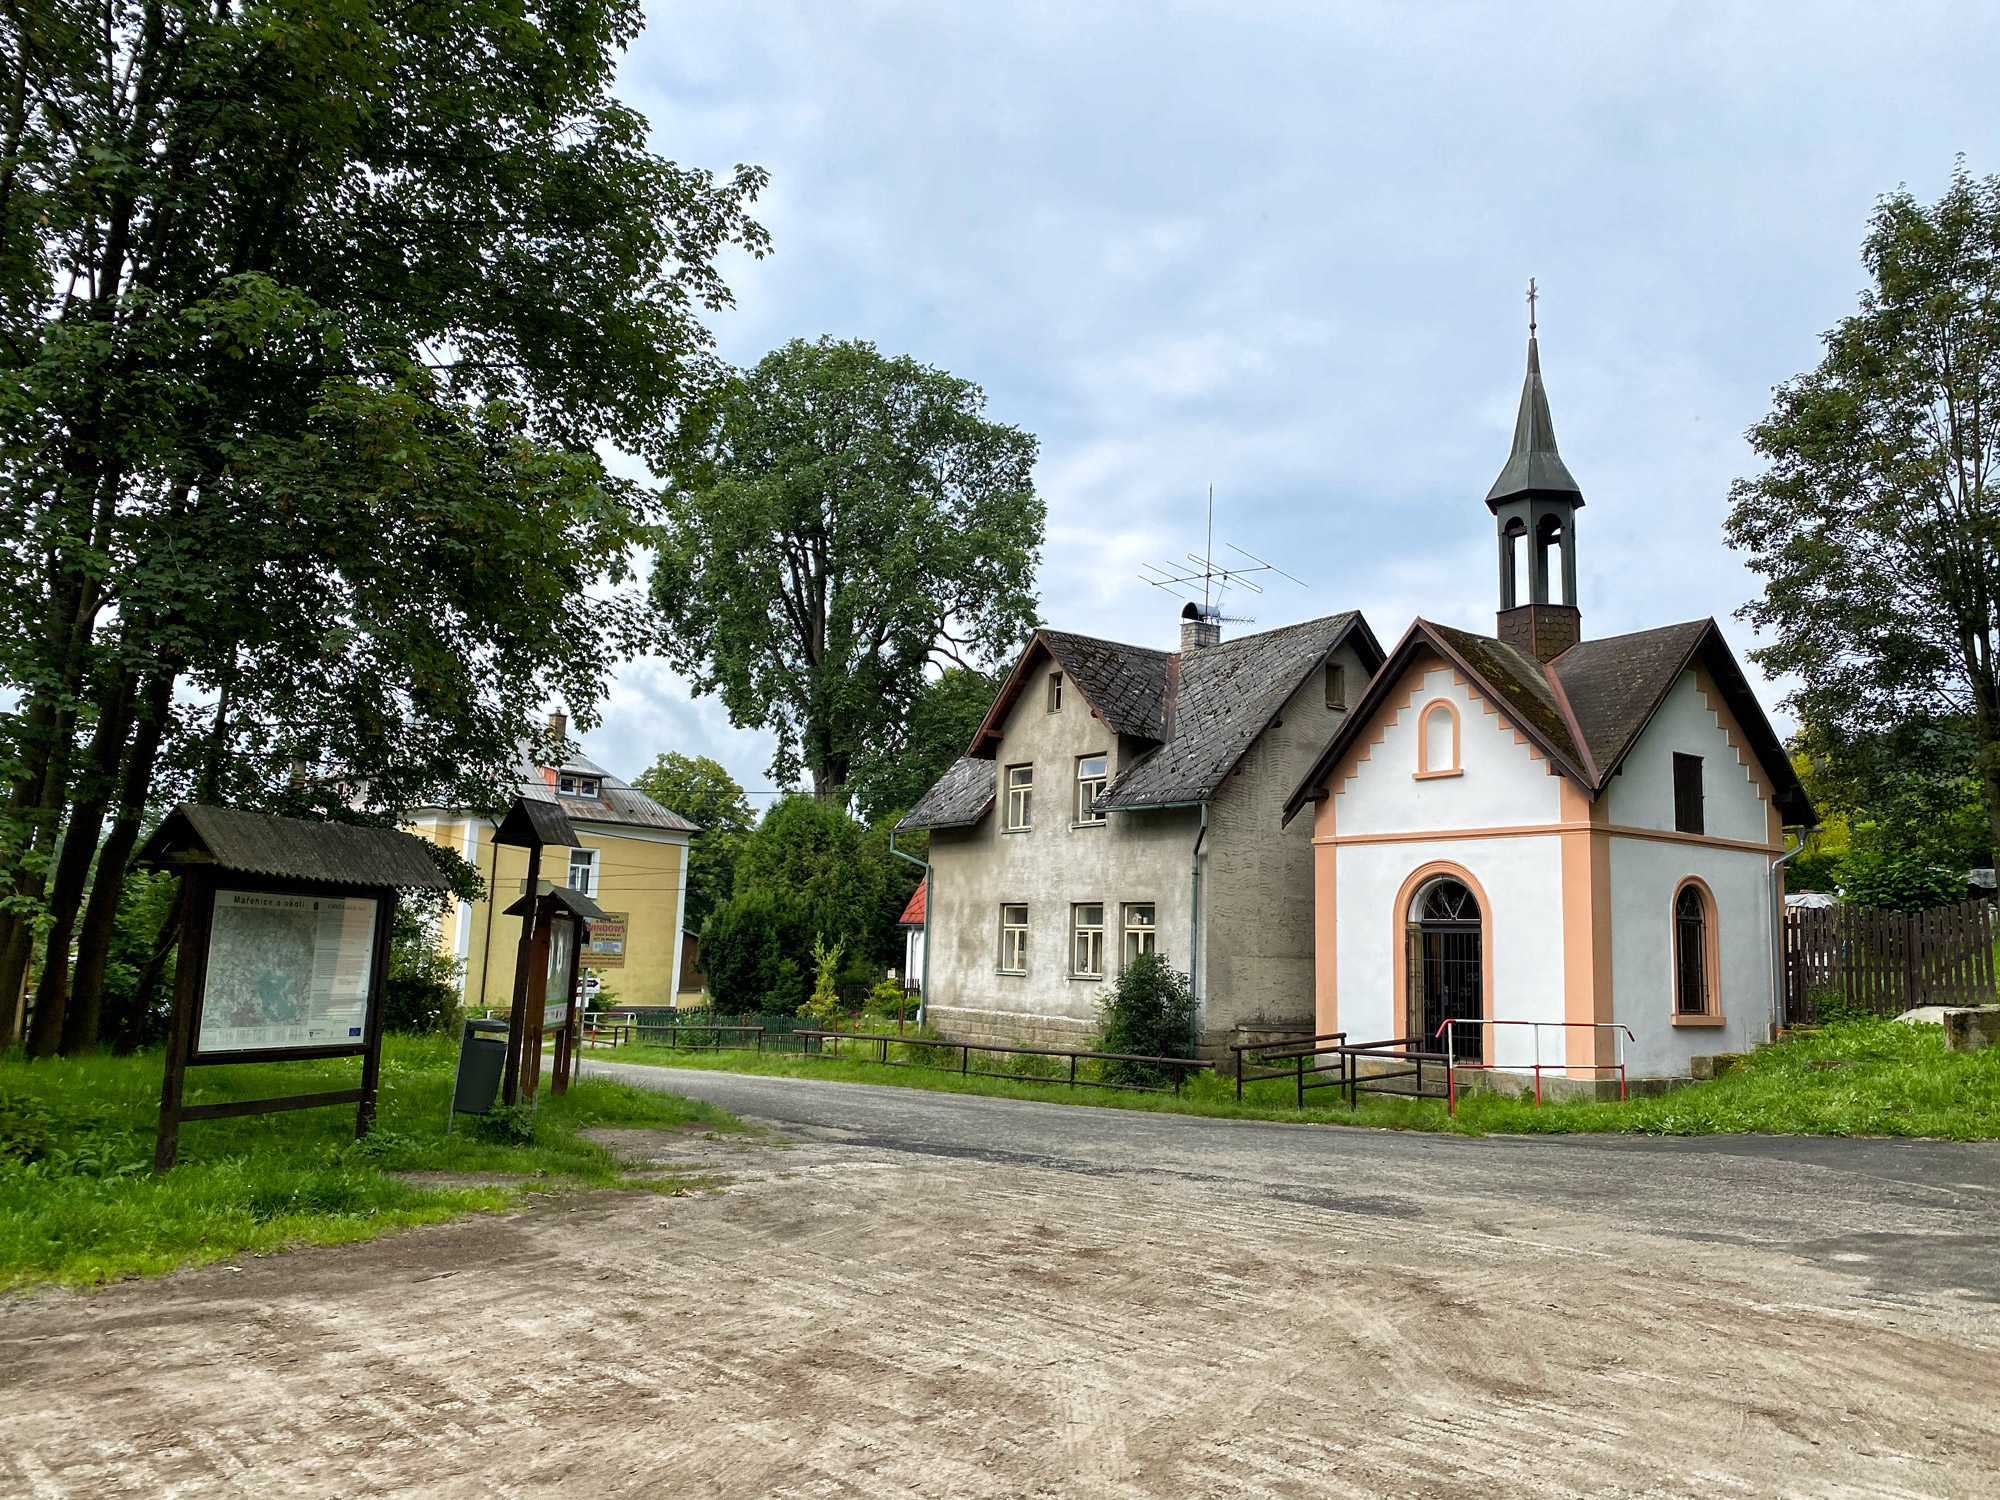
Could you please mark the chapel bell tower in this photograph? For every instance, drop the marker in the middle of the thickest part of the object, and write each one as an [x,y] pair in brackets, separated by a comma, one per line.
[1535,502]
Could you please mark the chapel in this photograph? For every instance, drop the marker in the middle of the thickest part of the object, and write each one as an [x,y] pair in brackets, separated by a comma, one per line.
[1534,845]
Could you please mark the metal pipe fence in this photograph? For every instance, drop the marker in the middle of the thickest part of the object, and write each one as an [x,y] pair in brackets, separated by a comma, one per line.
[919,1052]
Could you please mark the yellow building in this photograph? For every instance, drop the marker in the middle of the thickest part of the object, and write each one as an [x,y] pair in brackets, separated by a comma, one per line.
[633,864]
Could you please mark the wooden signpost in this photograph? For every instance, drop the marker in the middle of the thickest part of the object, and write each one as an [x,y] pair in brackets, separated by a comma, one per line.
[558,922]
[284,950]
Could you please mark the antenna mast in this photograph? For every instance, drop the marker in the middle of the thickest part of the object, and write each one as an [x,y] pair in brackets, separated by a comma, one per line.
[1212,576]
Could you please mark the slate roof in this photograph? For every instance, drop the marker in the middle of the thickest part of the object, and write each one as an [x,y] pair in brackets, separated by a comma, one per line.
[957,799]
[1225,697]
[1203,708]
[1586,709]
[253,843]
[618,801]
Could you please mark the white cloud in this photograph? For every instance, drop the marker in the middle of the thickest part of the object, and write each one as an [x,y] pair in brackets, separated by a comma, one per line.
[1281,248]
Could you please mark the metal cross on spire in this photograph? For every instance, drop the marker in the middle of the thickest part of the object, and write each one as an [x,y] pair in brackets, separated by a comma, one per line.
[1531,307]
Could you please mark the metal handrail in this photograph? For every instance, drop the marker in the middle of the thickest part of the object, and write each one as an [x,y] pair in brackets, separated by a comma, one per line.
[1536,1067]
[1182,1065]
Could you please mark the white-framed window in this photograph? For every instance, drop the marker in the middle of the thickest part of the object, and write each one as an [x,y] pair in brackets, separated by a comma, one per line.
[1014,939]
[1141,929]
[1087,951]
[1020,796]
[1055,692]
[570,784]
[583,871]
[1089,782]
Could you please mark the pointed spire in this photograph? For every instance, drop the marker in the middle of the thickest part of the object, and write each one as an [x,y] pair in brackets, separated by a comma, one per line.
[1534,466]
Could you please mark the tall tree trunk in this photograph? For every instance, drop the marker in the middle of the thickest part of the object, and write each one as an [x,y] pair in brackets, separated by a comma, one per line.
[79,1036]
[79,848]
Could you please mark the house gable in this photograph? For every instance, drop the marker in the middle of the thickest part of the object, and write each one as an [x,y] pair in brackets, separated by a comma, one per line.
[1399,777]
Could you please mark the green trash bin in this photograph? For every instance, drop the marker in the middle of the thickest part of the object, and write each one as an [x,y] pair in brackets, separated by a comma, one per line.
[482,1059]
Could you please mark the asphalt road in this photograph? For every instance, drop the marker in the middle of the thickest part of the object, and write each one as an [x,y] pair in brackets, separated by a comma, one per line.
[1914,1217]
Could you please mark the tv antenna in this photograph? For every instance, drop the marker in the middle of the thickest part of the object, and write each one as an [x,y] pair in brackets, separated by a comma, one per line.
[1209,578]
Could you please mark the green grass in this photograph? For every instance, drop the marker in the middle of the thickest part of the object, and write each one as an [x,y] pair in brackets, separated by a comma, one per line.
[79,1202]
[1863,1077]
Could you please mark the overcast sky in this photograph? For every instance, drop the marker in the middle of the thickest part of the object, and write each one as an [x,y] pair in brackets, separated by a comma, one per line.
[1281,249]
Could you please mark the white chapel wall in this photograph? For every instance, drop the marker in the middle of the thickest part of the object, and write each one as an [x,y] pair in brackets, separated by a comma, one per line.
[1642,794]
[1502,785]
[1645,874]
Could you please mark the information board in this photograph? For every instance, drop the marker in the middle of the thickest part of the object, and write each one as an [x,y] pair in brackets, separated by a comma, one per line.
[606,948]
[286,971]
[562,946]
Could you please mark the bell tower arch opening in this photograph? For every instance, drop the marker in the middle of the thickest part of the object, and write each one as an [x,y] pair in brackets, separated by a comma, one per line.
[1534,504]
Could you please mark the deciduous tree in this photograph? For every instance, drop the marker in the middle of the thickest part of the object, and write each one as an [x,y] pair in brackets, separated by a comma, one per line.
[312,316]
[840,522]
[1877,523]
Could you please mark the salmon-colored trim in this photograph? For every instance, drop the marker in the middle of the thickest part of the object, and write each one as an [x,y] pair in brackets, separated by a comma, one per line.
[1550,830]
[1390,711]
[1436,775]
[1711,957]
[1399,916]
[1732,731]
[1424,737]
[1385,717]
[1586,916]
[1326,923]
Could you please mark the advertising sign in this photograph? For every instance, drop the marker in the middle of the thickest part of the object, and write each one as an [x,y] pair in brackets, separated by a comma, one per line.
[606,949]
[286,971]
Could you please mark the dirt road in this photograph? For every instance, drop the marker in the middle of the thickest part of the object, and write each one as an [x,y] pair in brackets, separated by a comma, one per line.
[946,1296]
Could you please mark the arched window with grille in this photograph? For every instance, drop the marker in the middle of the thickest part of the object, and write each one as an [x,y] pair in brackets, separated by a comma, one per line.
[1694,977]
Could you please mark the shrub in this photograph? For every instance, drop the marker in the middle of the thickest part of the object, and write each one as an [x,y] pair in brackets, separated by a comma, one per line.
[747,948]
[824,1006]
[1898,881]
[1149,1012]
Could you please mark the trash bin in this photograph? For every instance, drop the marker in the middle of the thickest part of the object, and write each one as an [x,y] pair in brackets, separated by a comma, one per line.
[482,1059]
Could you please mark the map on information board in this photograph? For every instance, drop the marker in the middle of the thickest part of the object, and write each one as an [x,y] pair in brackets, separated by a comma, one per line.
[287,971]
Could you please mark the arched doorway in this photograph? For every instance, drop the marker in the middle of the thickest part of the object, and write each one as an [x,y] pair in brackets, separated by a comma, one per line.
[1447,969]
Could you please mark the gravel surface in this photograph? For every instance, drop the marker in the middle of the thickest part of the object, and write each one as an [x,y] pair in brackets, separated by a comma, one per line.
[910,1294]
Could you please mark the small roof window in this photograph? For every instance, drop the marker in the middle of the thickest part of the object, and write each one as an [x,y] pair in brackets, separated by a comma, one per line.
[570,784]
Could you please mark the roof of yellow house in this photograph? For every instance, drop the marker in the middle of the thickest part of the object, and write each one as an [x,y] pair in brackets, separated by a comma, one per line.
[616,801]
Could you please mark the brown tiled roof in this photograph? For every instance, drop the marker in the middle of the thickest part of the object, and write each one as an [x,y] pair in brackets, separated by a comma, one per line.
[913,914]
[1615,685]
[1588,707]
[957,799]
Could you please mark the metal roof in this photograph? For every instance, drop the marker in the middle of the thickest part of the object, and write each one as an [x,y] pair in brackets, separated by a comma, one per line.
[617,801]
[253,843]
[1534,467]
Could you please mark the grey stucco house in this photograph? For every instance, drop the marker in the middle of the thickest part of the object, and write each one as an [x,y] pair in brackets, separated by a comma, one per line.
[1118,799]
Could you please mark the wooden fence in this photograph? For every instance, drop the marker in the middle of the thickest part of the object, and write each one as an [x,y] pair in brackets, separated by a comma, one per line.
[1887,962]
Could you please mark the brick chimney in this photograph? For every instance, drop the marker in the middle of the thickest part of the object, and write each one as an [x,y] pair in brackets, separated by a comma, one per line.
[559,726]
[1200,627]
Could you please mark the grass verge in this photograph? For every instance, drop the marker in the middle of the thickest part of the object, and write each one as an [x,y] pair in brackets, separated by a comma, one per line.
[79,1202]
[1862,1077]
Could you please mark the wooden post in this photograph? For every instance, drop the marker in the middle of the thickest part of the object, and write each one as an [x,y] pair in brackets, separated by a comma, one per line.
[198,896]
[574,1030]
[517,1014]
[378,983]
[537,1000]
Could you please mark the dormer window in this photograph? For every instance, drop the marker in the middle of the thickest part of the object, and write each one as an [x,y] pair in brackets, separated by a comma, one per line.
[568,784]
